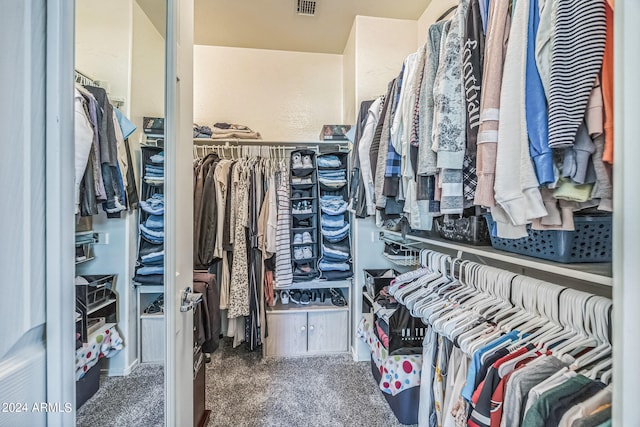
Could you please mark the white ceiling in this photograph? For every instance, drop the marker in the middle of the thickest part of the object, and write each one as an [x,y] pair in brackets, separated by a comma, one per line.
[274,24]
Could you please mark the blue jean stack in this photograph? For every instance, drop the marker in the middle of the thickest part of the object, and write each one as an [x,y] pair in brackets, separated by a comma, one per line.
[150,265]
[335,262]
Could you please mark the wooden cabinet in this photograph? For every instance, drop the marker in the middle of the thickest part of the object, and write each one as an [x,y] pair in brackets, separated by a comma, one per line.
[302,333]
[151,343]
[328,332]
[287,334]
[319,327]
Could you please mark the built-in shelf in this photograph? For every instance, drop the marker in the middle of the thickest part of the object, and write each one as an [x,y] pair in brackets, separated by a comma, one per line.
[100,306]
[599,273]
[317,284]
[150,289]
[312,306]
[151,315]
[83,260]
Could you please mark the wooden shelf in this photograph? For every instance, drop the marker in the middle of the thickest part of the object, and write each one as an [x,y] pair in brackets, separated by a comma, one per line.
[317,284]
[84,260]
[151,316]
[312,306]
[150,289]
[599,273]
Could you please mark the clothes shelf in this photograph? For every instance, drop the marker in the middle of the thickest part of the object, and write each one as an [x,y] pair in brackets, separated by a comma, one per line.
[597,273]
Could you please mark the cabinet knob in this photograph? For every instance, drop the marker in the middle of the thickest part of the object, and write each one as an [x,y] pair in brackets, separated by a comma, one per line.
[311,328]
[303,328]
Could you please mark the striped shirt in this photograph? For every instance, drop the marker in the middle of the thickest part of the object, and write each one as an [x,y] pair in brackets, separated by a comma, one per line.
[284,273]
[576,59]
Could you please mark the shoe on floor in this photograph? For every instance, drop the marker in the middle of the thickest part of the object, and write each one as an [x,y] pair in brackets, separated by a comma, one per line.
[305,297]
[295,296]
[284,297]
[337,298]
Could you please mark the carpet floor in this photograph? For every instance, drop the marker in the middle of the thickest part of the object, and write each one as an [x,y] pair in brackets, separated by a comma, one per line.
[136,400]
[245,390]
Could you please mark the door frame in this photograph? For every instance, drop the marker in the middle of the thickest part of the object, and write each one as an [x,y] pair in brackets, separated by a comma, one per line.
[626,293]
[60,228]
[178,211]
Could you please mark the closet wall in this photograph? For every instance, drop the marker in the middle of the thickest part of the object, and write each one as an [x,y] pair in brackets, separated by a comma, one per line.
[147,72]
[109,35]
[103,43]
[373,56]
[265,89]
[435,9]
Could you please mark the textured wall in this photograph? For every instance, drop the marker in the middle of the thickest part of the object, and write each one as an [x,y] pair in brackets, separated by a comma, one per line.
[283,95]
[381,46]
[431,13]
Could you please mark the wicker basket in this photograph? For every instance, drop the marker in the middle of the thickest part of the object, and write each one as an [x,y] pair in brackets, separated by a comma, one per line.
[590,242]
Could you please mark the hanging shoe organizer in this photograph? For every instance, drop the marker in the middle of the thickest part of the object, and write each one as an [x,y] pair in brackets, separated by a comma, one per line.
[335,230]
[150,265]
[304,214]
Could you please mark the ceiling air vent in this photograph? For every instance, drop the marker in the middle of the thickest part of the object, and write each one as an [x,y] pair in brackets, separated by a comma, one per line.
[307,7]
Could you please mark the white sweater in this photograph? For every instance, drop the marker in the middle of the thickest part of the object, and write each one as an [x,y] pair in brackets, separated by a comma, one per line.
[364,145]
[516,185]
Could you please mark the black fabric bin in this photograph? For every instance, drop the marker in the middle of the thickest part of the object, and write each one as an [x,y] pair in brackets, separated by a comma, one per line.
[374,282]
[404,404]
[88,385]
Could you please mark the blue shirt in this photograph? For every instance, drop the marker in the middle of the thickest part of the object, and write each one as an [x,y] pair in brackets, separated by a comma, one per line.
[476,363]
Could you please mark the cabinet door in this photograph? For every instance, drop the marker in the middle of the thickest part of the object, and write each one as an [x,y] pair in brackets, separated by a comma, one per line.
[287,334]
[328,332]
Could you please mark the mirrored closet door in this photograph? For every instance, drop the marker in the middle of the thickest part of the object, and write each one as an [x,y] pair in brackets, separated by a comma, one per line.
[119,195]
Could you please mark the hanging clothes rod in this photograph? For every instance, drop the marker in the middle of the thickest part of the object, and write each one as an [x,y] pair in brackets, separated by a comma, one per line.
[83,79]
[341,146]
[445,14]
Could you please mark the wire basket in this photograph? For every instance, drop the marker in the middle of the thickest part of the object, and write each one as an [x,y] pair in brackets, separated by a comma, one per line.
[590,242]
[407,257]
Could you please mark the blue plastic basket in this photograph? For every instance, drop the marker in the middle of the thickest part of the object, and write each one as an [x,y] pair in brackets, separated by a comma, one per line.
[590,242]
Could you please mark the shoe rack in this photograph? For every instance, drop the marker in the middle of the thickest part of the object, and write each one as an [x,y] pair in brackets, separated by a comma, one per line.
[304,215]
[312,315]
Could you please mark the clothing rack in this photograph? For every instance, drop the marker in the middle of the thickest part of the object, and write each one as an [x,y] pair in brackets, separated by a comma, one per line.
[234,152]
[333,146]
[446,13]
[480,319]
[555,303]
[84,80]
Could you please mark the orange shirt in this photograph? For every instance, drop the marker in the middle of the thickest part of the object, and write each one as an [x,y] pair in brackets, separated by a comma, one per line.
[607,86]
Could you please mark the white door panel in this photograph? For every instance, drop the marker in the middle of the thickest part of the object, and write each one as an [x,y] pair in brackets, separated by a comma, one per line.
[179,211]
[36,222]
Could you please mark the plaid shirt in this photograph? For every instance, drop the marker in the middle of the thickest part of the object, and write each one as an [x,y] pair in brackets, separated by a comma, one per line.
[469,179]
[393,163]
